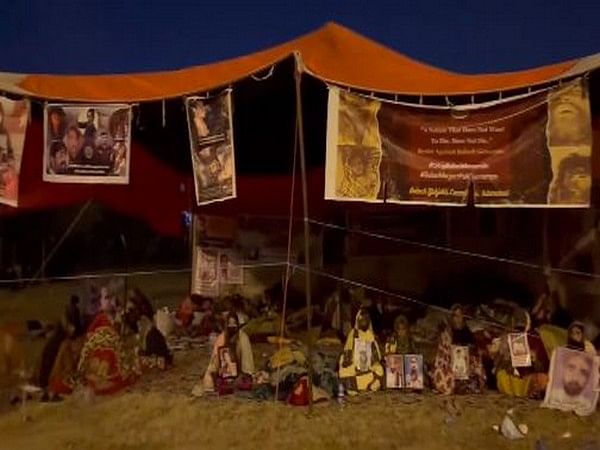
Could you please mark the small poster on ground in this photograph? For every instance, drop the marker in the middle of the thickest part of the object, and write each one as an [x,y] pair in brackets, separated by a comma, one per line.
[573,382]
[519,350]
[413,372]
[227,366]
[394,371]
[460,362]
[362,355]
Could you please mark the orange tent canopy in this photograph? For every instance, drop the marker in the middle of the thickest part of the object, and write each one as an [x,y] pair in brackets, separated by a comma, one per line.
[333,53]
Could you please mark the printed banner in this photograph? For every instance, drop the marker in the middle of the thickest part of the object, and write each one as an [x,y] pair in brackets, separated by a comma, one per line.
[573,382]
[520,355]
[211,137]
[205,268]
[413,372]
[87,143]
[13,125]
[230,271]
[531,151]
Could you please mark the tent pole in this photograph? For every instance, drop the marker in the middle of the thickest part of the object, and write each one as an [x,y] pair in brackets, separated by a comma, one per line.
[300,127]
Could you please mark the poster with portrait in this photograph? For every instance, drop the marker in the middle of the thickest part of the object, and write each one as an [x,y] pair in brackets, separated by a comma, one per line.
[230,270]
[413,372]
[381,151]
[87,143]
[13,126]
[520,354]
[205,281]
[362,355]
[394,371]
[210,122]
[573,382]
[227,365]
[460,362]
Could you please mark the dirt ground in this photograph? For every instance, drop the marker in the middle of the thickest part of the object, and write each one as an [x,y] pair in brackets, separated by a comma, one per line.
[159,413]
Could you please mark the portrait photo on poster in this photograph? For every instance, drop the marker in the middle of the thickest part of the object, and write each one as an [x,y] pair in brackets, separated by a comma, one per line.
[573,382]
[87,143]
[460,362]
[210,124]
[394,371]
[520,354]
[230,270]
[362,355]
[227,365]
[205,269]
[14,116]
[413,372]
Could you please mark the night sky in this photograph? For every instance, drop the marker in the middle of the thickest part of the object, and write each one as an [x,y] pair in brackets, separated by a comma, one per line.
[142,35]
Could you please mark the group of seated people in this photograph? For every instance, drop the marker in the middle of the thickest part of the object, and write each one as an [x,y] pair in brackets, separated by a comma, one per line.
[108,353]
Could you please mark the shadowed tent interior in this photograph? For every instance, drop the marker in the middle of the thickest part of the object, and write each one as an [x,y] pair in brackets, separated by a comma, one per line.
[161,184]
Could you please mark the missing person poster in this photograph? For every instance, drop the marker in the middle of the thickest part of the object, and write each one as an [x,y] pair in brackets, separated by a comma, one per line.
[230,270]
[519,350]
[413,372]
[210,124]
[87,143]
[205,281]
[531,151]
[460,362]
[13,126]
[573,382]
[394,371]
[362,355]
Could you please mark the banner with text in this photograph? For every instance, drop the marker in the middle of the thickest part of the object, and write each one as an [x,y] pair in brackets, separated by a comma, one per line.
[211,140]
[13,125]
[87,143]
[531,151]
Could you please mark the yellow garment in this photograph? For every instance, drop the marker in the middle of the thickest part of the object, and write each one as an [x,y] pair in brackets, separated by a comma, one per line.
[285,356]
[350,375]
[512,385]
[554,337]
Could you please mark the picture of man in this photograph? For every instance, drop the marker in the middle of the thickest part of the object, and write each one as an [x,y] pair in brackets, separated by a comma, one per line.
[199,112]
[57,163]
[460,362]
[89,134]
[56,123]
[569,122]
[573,378]
[394,373]
[414,371]
[208,266]
[73,142]
[573,182]
[359,177]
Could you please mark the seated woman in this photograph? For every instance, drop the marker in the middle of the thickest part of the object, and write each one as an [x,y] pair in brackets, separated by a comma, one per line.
[103,365]
[457,334]
[154,352]
[360,362]
[576,338]
[400,342]
[523,381]
[231,356]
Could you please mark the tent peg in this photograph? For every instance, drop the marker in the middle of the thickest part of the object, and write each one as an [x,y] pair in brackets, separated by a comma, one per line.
[164,113]
[421,99]
[472,99]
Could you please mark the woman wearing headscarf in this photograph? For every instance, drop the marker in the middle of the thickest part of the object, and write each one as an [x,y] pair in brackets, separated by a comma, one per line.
[231,354]
[576,338]
[400,342]
[523,381]
[457,333]
[360,363]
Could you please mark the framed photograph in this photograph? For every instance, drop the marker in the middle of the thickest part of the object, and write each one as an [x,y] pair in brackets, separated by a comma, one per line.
[519,350]
[460,362]
[394,371]
[227,365]
[413,372]
[362,355]
[573,382]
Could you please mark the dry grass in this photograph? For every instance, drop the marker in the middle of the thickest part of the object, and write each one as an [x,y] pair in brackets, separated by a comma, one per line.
[158,413]
[158,420]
